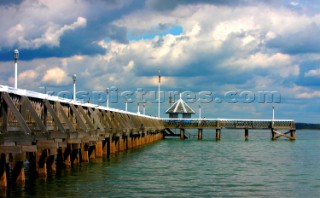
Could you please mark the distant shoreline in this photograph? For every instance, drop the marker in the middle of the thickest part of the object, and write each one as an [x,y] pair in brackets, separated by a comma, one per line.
[307,126]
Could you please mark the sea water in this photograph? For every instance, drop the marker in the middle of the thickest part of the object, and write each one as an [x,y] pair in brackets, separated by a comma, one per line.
[231,167]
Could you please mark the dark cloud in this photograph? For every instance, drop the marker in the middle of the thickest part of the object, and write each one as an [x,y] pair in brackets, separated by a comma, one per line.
[83,41]
[116,33]
[163,5]
[78,42]
[304,41]
[9,2]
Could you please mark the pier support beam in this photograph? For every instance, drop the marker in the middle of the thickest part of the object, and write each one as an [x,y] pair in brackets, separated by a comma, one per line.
[108,146]
[293,134]
[85,152]
[218,133]
[18,172]
[182,130]
[273,134]
[92,152]
[75,155]
[200,134]
[41,164]
[246,134]
[99,151]
[51,165]
[121,142]
[66,156]
[3,173]
[113,140]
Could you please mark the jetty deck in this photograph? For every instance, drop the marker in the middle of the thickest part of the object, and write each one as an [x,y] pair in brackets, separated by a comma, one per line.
[207,123]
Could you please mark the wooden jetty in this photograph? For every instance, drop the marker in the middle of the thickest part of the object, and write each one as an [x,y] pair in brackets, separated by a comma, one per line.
[49,131]
[180,118]
[275,126]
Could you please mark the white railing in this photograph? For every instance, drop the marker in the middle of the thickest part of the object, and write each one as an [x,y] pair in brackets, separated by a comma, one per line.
[225,119]
[33,94]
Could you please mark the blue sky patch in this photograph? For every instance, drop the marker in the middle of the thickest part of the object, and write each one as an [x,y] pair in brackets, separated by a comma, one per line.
[174,30]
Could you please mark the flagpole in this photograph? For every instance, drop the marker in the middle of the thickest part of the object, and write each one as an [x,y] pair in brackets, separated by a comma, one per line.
[159,94]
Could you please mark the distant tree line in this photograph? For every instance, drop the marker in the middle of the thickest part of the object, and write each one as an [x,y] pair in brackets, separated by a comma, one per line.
[307,126]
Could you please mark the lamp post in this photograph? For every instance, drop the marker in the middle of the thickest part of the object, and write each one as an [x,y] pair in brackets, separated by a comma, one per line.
[272,116]
[138,108]
[199,111]
[159,94]
[107,97]
[126,103]
[144,109]
[45,89]
[74,77]
[16,56]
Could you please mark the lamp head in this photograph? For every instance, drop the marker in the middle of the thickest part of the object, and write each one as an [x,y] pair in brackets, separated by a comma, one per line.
[16,54]
[74,77]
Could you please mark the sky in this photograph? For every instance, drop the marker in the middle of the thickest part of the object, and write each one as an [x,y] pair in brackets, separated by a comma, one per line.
[226,57]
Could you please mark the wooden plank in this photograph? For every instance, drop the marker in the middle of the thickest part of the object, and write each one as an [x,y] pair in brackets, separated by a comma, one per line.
[63,144]
[65,117]
[281,134]
[4,116]
[85,140]
[96,119]
[24,143]
[58,135]
[10,149]
[78,118]
[105,120]
[14,137]
[16,113]
[54,116]
[26,102]
[93,139]
[31,148]
[73,141]
[86,117]
[9,144]
[47,144]
[74,135]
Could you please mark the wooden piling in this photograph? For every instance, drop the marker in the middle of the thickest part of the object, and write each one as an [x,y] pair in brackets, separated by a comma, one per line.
[182,130]
[108,146]
[3,173]
[18,173]
[92,152]
[51,165]
[200,134]
[218,133]
[75,154]
[112,140]
[98,149]
[273,135]
[85,152]
[246,134]
[41,164]
[292,134]
[66,156]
